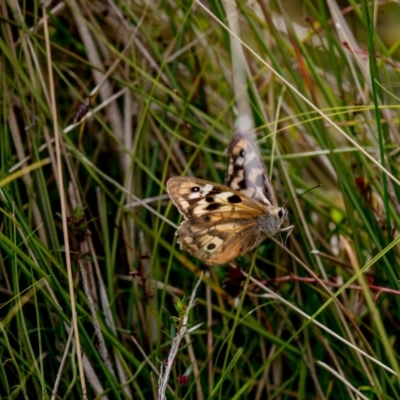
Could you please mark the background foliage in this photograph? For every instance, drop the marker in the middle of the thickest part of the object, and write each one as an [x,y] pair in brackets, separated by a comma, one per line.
[86,228]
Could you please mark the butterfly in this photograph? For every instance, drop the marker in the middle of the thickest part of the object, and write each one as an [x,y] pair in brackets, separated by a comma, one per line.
[224,221]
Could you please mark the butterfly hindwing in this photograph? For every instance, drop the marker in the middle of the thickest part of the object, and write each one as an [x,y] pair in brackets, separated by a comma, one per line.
[216,243]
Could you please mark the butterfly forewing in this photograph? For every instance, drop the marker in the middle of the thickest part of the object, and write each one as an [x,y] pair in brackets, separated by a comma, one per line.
[197,197]
[246,171]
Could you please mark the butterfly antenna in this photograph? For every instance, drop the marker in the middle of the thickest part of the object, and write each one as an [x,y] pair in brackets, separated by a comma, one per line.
[302,194]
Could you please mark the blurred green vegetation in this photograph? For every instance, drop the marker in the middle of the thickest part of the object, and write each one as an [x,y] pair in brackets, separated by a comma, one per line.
[87,230]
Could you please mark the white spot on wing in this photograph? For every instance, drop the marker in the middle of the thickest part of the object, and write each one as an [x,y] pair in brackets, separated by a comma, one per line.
[194,195]
[206,189]
[239,161]
[254,174]
[224,195]
[250,156]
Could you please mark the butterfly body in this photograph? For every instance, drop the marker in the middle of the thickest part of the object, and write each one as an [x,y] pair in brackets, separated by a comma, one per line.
[222,222]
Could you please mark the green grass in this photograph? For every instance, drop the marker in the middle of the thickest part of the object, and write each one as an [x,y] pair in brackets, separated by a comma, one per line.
[81,248]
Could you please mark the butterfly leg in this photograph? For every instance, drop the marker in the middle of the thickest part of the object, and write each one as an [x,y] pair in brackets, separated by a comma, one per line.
[288,229]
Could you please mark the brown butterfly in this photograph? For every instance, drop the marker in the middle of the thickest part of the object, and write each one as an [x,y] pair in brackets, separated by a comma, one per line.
[222,222]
